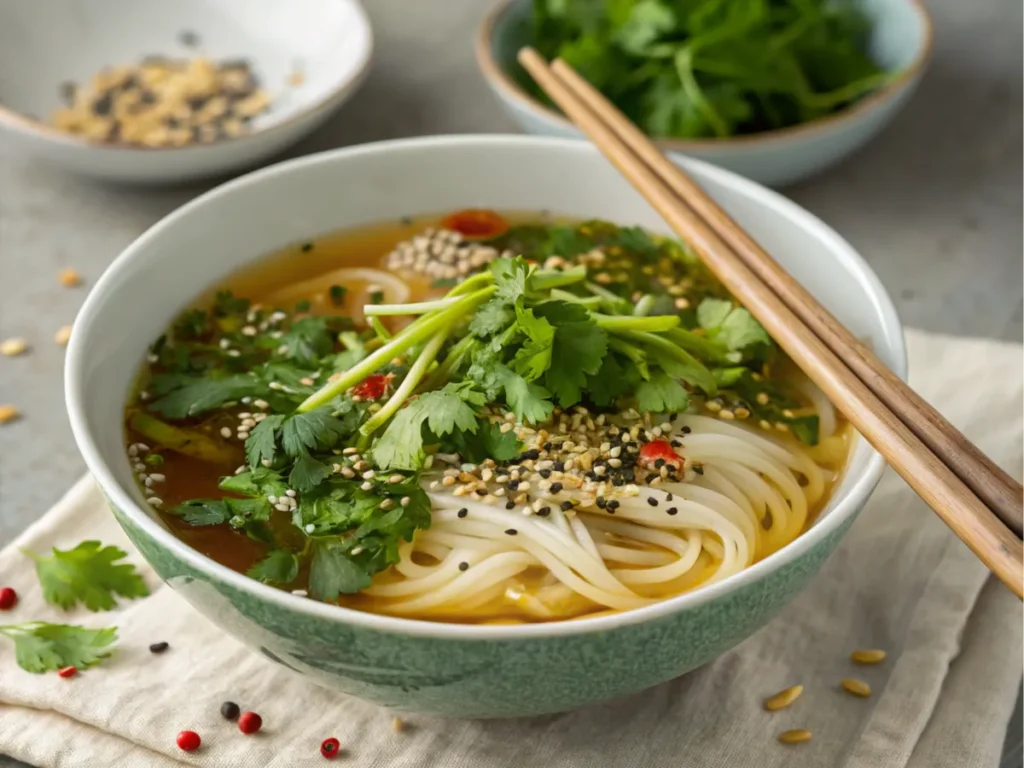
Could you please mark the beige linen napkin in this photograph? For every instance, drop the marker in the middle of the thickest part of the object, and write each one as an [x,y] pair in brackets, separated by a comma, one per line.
[900,581]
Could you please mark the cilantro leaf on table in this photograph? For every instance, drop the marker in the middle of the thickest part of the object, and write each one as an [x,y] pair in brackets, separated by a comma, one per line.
[279,567]
[89,574]
[578,348]
[42,647]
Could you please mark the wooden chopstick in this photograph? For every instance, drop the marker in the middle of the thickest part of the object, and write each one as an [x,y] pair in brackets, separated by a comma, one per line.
[1001,493]
[962,510]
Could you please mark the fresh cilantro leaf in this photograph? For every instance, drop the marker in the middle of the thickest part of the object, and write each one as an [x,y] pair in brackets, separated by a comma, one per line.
[332,573]
[42,647]
[578,349]
[491,318]
[279,567]
[733,326]
[308,340]
[303,432]
[197,395]
[662,394]
[442,411]
[226,303]
[89,574]
[612,381]
[307,473]
[203,511]
[648,20]
[261,444]
[534,357]
[256,482]
[510,276]
[488,442]
[530,402]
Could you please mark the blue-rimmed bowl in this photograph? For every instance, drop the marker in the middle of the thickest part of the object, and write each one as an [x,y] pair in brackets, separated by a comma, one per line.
[900,42]
[418,666]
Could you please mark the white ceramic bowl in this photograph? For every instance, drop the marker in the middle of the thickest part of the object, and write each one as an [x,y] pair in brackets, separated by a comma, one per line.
[448,669]
[44,43]
[901,41]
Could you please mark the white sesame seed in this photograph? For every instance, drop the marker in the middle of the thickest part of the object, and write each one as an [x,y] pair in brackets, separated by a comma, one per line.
[282,507]
[225,432]
[12,347]
[299,592]
[290,493]
[224,343]
[310,527]
[154,501]
[157,477]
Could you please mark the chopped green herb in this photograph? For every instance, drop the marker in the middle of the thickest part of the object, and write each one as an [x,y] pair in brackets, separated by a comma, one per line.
[88,574]
[41,647]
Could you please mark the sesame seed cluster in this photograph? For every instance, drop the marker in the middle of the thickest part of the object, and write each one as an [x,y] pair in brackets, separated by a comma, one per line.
[441,254]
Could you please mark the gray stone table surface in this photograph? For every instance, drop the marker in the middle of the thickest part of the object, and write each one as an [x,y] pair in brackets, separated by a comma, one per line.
[934,204]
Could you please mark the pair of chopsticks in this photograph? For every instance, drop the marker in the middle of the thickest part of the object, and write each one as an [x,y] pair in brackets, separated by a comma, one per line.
[980,502]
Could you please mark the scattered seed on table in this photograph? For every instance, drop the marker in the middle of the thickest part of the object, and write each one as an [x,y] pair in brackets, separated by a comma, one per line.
[795,736]
[329,748]
[397,724]
[63,335]
[868,656]
[249,722]
[159,647]
[67,671]
[188,38]
[8,413]
[857,687]
[8,598]
[188,741]
[229,710]
[13,346]
[783,699]
[69,277]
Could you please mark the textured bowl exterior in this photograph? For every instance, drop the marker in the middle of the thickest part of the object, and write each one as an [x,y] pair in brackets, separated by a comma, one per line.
[485,678]
[901,41]
[416,666]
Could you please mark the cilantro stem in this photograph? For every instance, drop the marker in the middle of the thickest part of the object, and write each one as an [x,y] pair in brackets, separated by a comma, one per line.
[546,279]
[590,302]
[452,362]
[425,327]
[701,346]
[619,323]
[415,308]
[379,329]
[697,374]
[470,284]
[408,385]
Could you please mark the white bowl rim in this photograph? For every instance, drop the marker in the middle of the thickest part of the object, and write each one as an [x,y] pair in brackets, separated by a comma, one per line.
[101,470]
[37,128]
[509,89]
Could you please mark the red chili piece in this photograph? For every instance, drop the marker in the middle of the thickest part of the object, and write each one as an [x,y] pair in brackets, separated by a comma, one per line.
[659,449]
[188,741]
[249,722]
[67,671]
[477,223]
[329,748]
[8,598]
[372,387]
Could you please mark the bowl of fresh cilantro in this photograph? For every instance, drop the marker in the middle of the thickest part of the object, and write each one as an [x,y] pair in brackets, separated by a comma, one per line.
[775,90]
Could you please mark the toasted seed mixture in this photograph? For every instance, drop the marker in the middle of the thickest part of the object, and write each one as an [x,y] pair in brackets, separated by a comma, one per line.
[783,699]
[164,102]
[795,736]
[442,254]
[868,656]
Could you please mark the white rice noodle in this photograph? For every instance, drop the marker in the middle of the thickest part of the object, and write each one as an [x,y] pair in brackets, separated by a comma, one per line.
[753,497]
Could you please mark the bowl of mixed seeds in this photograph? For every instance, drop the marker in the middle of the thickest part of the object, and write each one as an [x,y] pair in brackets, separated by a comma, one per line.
[172,92]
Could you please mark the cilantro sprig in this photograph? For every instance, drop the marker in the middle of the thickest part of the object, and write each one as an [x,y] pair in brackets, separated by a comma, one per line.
[43,647]
[89,574]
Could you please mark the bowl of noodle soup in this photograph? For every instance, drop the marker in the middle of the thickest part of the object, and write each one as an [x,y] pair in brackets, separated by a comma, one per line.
[455,426]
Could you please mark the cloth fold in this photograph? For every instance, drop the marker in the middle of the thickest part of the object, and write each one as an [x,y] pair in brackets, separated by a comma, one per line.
[899,581]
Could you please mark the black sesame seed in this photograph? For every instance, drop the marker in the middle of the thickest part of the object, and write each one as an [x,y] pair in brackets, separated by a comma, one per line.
[512,485]
[547,446]
[668,497]
[307,247]
[659,463]
[687,430]
[614,504]
[545,473]
[556,487]
[463,512]
[196,103]
[511,531]
[677,443]
[559,466]
[565,506]
[103,104]
[544,511]
[463,566]
[672,510]
[230,711]
[618,482]
[159,647]
[510,505]
[652,501]
[601,502]
[698,469]
[591,475]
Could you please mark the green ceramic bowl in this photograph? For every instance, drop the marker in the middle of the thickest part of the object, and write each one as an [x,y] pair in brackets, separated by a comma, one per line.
[416,666]
[900,42]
